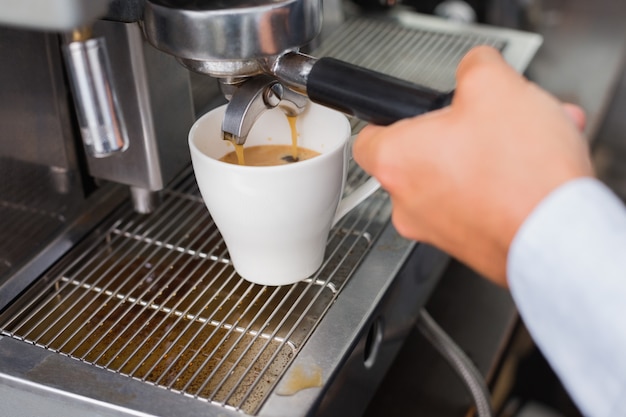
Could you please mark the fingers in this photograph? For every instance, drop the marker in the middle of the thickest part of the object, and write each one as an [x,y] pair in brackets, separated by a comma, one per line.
[479,56]
[367,143]
[487,65]
[483,75]
[491,61]
[576,115]
[379,149]
[364,148]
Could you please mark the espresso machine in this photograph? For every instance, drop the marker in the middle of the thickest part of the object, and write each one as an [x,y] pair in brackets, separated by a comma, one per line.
[117,297]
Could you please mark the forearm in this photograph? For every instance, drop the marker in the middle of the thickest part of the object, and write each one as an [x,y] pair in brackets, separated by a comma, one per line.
[567,273]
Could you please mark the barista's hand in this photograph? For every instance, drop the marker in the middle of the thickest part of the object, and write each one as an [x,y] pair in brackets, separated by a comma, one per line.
[464,178]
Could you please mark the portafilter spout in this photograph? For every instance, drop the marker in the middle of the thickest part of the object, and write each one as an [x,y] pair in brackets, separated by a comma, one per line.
[250,99]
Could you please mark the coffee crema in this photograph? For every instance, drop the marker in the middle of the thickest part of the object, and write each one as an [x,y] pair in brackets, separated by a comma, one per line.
[269,155]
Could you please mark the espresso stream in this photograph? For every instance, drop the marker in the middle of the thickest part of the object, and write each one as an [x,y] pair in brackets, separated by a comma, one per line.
[268,155]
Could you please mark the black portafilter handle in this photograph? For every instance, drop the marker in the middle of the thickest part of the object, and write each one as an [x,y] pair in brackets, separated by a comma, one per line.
[369,95]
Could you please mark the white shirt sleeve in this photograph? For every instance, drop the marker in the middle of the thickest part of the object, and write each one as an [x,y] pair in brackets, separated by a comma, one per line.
[567,273]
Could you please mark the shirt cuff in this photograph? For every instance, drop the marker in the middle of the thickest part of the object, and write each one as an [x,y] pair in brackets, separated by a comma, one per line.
[567,273]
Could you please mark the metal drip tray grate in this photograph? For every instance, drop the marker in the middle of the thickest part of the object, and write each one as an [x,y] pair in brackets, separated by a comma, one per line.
[156,298]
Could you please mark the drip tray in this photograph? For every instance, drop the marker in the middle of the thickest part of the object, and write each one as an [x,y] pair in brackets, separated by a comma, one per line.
[157,299]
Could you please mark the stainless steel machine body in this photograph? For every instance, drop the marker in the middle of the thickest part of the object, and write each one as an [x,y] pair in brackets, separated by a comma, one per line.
[108,312]
[124,92]
[155,97]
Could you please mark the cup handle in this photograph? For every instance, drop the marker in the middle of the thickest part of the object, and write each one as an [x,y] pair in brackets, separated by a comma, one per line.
[355,198]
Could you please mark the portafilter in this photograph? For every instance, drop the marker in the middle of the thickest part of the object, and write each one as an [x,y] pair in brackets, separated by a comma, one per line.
[253,48]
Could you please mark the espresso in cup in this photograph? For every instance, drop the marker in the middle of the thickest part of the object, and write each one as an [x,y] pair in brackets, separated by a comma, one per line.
[269,155]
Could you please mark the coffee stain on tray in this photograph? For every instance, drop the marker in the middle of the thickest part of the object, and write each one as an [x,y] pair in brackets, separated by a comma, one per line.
[300,377]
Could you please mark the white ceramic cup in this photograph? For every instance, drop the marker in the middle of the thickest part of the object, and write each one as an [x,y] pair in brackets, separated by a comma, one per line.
[275,220]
